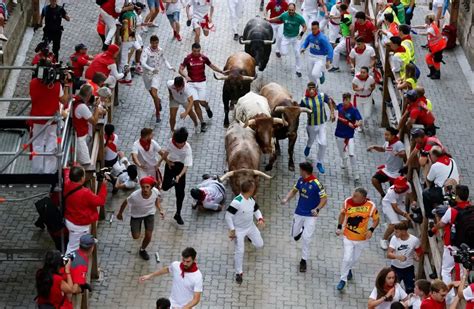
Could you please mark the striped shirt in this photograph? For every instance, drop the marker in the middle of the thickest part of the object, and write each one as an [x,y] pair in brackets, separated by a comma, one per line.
[316,104]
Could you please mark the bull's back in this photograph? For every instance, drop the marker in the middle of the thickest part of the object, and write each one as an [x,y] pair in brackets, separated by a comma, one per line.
[258,28]
[275,94]
[242,61]
[241,148]
[251,105]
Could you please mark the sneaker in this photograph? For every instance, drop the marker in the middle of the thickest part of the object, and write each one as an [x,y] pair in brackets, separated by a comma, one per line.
[178,37]
[306,151]
[40,224]
[209,113]
[356,177]
[105,47]
[322,78]
[302,266]
[203,127]
[340,286]
[349,275]
[333,69]
[197,130]
[384,244]
[178,219]
[239,278]
[3,37]
[278,54]
[158,118]
[344,163]
[145,29]
[320,168]
[144,255]
[138,70]
[298,74]
[236,37]
[297,237]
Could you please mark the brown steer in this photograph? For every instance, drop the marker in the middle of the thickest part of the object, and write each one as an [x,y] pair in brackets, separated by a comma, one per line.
[283,106]
[243,156]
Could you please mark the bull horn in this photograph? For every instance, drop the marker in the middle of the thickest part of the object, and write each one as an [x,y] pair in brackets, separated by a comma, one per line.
[279,109]
[226,175]
[250,122]
[269,42]
[220,78]
[280,121]
[249,78]
[305,110]
[244,42]
[259,173]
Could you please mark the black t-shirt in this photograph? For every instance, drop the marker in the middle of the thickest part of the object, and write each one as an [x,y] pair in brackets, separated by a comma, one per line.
[53,17]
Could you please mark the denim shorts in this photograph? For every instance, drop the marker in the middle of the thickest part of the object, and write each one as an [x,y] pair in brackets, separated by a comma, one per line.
[174,17]
[153,4]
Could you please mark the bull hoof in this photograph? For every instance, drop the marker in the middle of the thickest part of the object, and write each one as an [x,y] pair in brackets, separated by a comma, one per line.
[268,167]
[291,168]
[226,124]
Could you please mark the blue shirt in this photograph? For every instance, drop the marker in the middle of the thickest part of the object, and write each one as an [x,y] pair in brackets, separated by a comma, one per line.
[352,115]
[318,45]
[316,104]
[311,193]
[329,4]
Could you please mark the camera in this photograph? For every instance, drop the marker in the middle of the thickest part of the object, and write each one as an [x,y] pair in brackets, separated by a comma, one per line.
[100,175]
[52,72]
[67,257]
[464,256]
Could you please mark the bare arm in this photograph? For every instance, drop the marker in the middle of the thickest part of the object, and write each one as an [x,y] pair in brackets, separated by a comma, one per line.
[136,161]
[376,148]
[163,271]
[216,68]
[291,194]
[196,299]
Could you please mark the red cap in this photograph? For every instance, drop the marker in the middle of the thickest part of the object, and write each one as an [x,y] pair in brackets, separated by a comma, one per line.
[148,180]
[401,183]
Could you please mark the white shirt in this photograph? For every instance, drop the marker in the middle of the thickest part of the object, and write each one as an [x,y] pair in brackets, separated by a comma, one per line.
[415,302]
[174,7]
[437,4]
[148,158]
[365,84]
[181,96]
[239,214]
[109,153]
[399,295]
[310,6]
[335,13]
[151,59]
[200,8]
[215,193]
[439,173]
[405,248]
[125,179]
[468,294]
[184,288]
[83,112]
[183,155]
[141,207]
[364,59]
[392,197]
[393,163]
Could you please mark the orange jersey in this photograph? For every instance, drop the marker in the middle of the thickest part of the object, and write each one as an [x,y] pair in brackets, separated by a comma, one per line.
[357,218]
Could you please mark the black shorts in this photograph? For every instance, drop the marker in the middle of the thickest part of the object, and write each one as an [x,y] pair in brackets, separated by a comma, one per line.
[136,224]
[381,177]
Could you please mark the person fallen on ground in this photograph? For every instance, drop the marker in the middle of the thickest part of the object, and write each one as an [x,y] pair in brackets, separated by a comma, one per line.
[312,199]
[355,214]
[395,155]
[143,203]
[209,194]
[187,284]
[386,291]
[239,219]
[127,179]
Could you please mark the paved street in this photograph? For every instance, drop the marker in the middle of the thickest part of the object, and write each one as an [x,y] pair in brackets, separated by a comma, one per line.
[271,277]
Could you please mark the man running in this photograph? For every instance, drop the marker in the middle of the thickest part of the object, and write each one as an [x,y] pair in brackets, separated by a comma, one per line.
[145,153]
[356,213]
[151,59]
[195,65]
[276,8]
[180,94]
[239,218]
[312,199]
[344,45]
[363,85]
[236,11]
[203,10]
[316,125]
[143,205]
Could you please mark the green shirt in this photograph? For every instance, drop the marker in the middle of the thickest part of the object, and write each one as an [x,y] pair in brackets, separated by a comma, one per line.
[345,25]
[291,24]
[401,13]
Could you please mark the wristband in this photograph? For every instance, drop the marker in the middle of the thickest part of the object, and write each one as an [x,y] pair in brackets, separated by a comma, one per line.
[301,33]
[317,210]
[339,226]
[372,229]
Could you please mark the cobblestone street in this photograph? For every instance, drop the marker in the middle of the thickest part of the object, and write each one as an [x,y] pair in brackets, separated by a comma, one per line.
[271,276]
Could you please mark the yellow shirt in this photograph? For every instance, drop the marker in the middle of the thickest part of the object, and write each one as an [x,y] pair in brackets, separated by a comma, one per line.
[357,218]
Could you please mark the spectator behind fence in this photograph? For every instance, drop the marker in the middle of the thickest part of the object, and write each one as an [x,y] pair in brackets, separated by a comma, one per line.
[80,204]
[386,290]
[79,60]
[46,101]
[80,263]
[437,298]
[422,291]
[105,63]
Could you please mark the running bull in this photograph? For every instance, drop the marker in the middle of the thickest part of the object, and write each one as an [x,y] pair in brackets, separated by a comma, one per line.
[243,156]
[239,72]
[283,106]
[253,110]
[257,38]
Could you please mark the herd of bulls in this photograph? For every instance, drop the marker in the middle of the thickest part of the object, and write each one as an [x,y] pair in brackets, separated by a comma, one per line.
[260,119]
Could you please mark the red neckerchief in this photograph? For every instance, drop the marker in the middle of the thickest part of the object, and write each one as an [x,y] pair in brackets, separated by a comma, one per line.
[109,142]
[308,95]
[193,268]
[175,144]
[145,144]
[360,77]
[309,178]
[400,49]
[394,140]
[352,203]
[463,204]
[317,33]
[444,159]
[360,51]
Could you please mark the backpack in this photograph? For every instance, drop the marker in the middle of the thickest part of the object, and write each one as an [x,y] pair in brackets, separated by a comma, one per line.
[100,2]
[464,227]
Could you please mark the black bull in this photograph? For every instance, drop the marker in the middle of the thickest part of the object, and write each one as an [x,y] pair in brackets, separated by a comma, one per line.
[258,40]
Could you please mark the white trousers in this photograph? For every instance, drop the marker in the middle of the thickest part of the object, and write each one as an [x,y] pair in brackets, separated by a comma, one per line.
[46,142]
[318,133]
[82,151]
[309,225]
[447,266]
[294,43]
[310,17]
[254,235]
[75,233]
[323,22]
[316,66]
[333,33]
[352,251]
[110,22]
[364,105]
[347,150]
[236,11]
[277,35]
[340,49]
[124,51]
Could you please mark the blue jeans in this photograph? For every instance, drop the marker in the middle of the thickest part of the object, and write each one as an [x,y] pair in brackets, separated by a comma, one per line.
[153,4]
[407,275]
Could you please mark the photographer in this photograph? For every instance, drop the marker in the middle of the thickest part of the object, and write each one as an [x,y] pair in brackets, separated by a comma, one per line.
[46,100]
[106,63]
[447,221]
[53,30]
[82,119]
[80,204]
[42,52]
[54,282]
